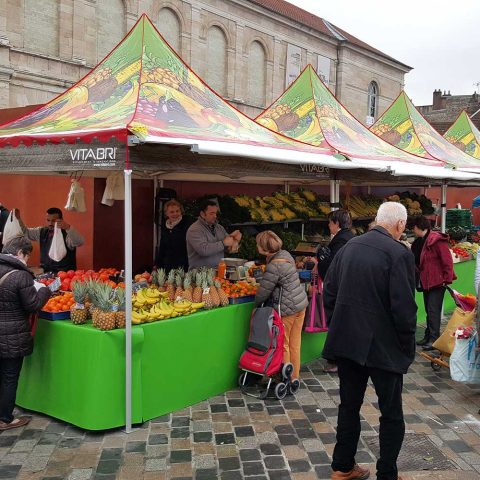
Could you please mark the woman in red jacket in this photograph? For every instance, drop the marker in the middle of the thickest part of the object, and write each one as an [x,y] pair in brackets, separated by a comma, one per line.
[434,271]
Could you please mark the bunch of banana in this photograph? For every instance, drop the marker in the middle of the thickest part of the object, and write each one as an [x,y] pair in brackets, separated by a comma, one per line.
[139,316]
[185,307]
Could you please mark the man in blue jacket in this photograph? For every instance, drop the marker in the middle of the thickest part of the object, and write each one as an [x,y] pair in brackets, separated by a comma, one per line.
[371,311]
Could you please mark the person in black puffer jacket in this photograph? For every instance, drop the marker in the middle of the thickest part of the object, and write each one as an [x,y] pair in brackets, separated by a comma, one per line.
[281,272]
[18,299]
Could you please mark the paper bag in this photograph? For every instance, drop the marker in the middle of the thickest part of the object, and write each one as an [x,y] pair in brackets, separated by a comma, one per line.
[446,341]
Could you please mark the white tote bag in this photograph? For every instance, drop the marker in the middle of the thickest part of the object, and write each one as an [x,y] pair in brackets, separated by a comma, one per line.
[465,360]
[12,228]
[58,249]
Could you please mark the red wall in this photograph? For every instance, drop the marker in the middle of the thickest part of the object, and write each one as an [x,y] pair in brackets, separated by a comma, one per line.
[34,194]
[455,195]
[108,228]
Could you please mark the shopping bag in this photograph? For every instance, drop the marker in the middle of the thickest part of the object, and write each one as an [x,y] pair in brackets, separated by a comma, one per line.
[58,250]
[460,318]
[315,320]
[12,228]
[76,198]
[465,360]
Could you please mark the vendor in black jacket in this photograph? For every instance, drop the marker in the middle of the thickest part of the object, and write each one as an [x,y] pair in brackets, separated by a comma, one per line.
[339,224]
[173,242]
[369,301]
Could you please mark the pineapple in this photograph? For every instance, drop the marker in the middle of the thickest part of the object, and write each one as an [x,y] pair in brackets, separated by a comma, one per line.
[188,289]
[78,312]
[223,296]
[120,319]
[197,292]
[206,296]
[213,291]
[93,294]
[171,285]
[179,291]
[161,279]
[105,315]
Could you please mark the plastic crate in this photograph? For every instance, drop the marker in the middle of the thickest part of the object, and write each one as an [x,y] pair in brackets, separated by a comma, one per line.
[244,299]
[55,315]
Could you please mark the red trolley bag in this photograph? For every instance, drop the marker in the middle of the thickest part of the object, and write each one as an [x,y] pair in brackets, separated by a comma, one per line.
[264,353]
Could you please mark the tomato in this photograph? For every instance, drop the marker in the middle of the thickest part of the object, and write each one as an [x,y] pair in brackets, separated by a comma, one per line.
[104,277]
[62,275]
[65,284]
[70,273]
[79,272]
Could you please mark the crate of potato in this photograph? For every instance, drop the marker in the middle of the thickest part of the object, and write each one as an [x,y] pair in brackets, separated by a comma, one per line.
[58,307]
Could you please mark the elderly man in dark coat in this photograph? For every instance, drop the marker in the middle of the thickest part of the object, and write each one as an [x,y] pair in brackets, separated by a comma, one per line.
[371,311]
[18,299]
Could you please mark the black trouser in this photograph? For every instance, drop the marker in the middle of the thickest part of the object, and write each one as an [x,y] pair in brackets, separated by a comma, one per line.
[433,301]
[9,374]
[388,386]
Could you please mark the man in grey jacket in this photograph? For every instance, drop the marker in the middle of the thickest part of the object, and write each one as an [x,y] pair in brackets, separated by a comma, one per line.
[207,240]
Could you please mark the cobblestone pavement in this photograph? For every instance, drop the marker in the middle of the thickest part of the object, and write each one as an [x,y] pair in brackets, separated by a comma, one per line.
[232,437]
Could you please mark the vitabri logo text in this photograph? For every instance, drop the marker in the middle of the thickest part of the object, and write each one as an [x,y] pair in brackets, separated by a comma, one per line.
[98,157]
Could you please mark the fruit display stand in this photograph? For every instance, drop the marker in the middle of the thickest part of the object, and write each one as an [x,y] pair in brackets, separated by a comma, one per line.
[77,373]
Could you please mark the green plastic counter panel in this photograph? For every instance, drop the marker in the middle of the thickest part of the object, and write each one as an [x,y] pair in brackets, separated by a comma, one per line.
[77,373]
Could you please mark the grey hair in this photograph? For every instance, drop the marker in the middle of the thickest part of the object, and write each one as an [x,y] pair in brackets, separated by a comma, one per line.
[18,244]
[389,213]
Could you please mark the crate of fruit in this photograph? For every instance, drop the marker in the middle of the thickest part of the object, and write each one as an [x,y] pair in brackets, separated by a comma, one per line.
[58,307]
[241,299]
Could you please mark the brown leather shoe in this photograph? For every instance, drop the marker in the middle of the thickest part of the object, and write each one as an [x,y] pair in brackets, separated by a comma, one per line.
[356,473]
[15,423]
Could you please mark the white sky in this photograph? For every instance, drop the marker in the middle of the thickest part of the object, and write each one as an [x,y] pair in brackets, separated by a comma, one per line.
[440,39]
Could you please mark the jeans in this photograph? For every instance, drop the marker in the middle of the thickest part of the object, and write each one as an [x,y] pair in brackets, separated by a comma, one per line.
[293,325]
[433,300]
[388,387]
[9,374]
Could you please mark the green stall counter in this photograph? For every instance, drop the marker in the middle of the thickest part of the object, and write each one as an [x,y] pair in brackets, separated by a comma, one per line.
[77,373]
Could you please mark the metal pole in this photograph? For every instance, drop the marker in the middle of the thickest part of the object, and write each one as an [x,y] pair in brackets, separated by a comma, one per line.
[444,207]
[128,298]
[155,220]
[332,195]
[337,194]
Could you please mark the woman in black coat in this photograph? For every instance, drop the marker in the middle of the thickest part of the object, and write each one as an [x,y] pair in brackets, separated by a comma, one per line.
[18,299]
[173,244]
[339,224]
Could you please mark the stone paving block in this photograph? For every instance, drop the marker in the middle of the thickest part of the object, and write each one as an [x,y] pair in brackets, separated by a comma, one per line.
[204,461]
[80,474]
[154,464]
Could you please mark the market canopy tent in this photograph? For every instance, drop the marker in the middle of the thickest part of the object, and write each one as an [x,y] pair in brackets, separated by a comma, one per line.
[307,111]
[403,126]
[464,135]
[143,88]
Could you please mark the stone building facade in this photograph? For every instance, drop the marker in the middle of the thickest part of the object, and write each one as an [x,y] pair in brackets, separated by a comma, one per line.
[245,49]
[446,107]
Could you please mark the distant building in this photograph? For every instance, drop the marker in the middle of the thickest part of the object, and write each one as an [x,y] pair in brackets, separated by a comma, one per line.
[247,50]
[446,108]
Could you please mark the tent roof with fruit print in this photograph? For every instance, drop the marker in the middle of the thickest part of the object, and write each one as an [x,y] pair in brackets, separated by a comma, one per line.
[307,111]
[402,125]
[143,88]
[464,135]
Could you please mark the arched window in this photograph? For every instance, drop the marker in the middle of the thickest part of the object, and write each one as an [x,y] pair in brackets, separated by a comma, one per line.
[216,74]
[169,27]
[372,100]
[256,74]
[110,26]
[41,32]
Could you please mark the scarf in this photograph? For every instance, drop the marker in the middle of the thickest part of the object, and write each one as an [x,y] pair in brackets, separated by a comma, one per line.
[172,224]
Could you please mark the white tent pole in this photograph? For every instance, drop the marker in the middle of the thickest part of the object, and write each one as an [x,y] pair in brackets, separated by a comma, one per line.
[444,206]
[332,195]
[155,225]
[128,298]
[337,194]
